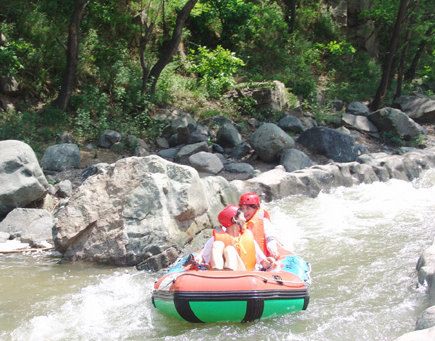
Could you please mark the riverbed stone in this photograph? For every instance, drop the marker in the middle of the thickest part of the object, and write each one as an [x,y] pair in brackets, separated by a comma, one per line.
[420,108]
[269,141]
[293,159]
[418,335]
[60,157]
[330,143]
[426,319]
[33,226]
[358,108]
[186,151]
[139,208]
[359,122]
[228,136]
[22,181]
[108,138]
[395,122]
[206,162]
[426,270]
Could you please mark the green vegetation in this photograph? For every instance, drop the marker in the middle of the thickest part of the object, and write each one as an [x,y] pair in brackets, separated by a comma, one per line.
[223,43]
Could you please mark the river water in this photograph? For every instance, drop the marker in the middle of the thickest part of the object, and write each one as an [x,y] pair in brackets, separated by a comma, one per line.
[362,242]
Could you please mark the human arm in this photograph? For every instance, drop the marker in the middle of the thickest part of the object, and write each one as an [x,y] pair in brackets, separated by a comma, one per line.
[271,240]
[205,255]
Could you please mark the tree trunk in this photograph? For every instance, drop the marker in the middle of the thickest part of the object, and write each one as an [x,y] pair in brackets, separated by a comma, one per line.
[389,57]
[72,56]
[410,73]
[166,55]
[288,8]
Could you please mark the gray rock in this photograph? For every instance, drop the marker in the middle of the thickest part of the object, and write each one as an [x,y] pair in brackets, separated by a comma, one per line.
[4,236]
[109,138]
[421,109]
[139,208]
[269,141]
[419,335]
[200,134]
[162,142]
[190,149]
[64,189]
[426,270]
[241,150]
[293,159]
[61,157]
[169,154]
[358,108]
[426,319]
[21,178]
[330,143]
[291,124]
[228,136]
[64,137]
[395,122]
[270,96]
[33,226]
[359,122]
[338,105]
[206,162]
[239,167]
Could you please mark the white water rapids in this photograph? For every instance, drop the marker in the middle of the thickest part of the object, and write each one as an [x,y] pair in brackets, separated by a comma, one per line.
[362,242]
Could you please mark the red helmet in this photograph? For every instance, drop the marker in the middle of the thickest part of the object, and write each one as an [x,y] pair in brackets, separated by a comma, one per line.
[226,216]
[249,199]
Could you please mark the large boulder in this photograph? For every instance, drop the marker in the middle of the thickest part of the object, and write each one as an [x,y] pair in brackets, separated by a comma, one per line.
[141,210]
[293,159]
[358,108]
[61,157]
[359,122]
[269,141]
[426,319]
[228,136]
[270,96]
[420,109]
[21,178]
[418,335]
[426,270]
[206,162]
[395,122]
[330,143]
[291,124]
[33,226]
[108,138]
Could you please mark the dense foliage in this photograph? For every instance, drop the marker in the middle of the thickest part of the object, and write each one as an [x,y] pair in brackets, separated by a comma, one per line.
[305,44]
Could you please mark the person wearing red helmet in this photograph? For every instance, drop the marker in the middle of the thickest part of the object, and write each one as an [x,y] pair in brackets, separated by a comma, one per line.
[235,248]
[258,222]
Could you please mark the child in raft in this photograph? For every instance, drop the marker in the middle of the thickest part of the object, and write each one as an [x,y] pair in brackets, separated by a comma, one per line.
[236,248]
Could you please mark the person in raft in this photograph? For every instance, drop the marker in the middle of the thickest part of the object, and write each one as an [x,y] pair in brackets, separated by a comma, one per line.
[235,248]
[258,222]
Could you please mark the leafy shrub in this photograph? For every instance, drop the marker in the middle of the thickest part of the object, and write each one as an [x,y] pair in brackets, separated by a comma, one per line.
[215,68]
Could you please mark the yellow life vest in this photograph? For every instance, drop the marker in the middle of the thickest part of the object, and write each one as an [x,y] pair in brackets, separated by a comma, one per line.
[256,226]
[244,245]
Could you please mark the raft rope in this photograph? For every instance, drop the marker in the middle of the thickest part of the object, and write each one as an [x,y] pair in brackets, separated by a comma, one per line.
[264,278]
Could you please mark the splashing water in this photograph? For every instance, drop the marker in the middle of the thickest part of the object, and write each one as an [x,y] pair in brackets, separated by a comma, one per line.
[362,242]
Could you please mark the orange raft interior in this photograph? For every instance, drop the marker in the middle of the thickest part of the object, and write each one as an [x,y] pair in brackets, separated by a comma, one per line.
[196,294]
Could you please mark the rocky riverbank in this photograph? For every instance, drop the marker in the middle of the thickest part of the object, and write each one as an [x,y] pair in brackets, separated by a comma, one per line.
[143,210]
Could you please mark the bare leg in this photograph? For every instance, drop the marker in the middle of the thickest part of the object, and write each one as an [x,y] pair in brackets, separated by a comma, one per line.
[217,258]
[233,260]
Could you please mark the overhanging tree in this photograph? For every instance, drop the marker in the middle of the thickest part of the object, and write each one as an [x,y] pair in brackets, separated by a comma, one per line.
[387,66]
[166,55]
[72,56]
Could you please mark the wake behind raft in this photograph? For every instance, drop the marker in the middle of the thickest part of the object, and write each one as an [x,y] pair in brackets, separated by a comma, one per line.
[195,294]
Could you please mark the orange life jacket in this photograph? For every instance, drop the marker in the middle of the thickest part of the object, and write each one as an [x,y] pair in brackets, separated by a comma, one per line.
[244,245]
[256,226]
